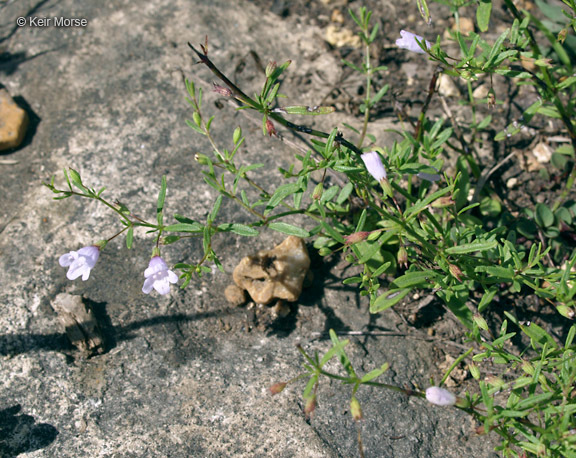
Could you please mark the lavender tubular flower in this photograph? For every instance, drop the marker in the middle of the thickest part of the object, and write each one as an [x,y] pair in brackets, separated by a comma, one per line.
[408,41]
[158,277]
[440,396]
[81,262]
[374,165]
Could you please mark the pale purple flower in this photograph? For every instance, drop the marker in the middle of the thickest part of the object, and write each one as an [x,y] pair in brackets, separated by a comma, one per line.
[81,262]
[440,396]
[158,277]
[408,41]
[374,165]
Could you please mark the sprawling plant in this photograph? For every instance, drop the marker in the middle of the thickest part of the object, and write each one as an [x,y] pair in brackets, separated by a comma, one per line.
[395,213]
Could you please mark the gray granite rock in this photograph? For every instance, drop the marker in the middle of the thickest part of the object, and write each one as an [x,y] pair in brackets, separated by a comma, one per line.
[184,375]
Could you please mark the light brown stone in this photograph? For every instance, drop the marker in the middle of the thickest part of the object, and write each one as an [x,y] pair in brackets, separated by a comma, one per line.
[274,274]
[13,122]
[235,295]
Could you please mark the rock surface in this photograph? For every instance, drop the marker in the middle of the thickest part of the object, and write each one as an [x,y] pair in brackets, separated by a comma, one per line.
[186,374]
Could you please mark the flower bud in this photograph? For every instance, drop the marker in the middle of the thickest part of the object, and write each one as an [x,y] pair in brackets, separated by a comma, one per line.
[277,387]
[403,257]
[443,202]
[386,187]
[317,194]
[440,396]
[455,271]
[270,69]
[201,159]
[310,406]
[474,371]
[491,98]
[355,409]
[270,129]
[223,91]
[356,237]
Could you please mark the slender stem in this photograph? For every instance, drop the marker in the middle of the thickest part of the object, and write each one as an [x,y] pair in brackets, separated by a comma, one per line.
[243,98]
[367,104]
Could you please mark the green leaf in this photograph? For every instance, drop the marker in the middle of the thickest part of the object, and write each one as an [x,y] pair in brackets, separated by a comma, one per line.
[482,245]
[375,373]
[483,14]
[216,208]
[538,336]
[304,110]
[239,229]
[289,229]
[544,216]
[496,49]
[76,180]
[422,204]
[130,237]
[498,272]
[345,193]
[344,360]
[455,299]
[388,299]
[280,194]
[487,298]
[161,199]
[413,279]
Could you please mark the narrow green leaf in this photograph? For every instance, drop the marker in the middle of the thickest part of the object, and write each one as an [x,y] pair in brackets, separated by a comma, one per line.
[304,110]
[487,298]
[239,229]
[498,272]
[472,247]
[388,299]
[161,199]
[496,49]
[422,204]
[130,237]
[413,279]
[344,360]
[483,14]
[280,194]
[538,336]
[289,229]
[216,208]
[375,373]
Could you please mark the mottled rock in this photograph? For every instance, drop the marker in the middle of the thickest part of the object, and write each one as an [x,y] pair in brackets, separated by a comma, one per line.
[79,322]
[274,274]
[13,122]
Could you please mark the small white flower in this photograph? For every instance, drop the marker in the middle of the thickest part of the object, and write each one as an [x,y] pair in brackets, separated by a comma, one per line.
[440,396]
[81,262]
[408,41]
[158,277]
[374,165]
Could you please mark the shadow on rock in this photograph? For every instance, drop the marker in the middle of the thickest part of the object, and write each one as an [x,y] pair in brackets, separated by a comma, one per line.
[19,432]
[15,344]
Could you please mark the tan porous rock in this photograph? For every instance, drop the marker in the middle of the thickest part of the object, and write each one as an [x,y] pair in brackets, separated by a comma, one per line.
[13,122]
[274,274]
